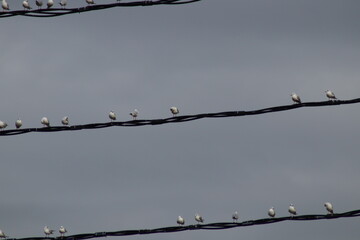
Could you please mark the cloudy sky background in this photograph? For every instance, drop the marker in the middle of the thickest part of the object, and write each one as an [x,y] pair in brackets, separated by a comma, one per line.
[209,56]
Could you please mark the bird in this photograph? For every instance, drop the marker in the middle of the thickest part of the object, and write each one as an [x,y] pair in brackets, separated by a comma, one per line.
[18,123]
[134,114]
[65,120]
[2,234]
[174,111]
[62,231]
[50,3]
[5,5]
[235,216]
[90,2]
[295,98]
[3,125]
[112,116]
[199,218]
[45,121]
[63,3]
[39,3]
[26,5]
[180,220]
[330,95]
[48,231]
[271,212]
[292,210]
[329,207]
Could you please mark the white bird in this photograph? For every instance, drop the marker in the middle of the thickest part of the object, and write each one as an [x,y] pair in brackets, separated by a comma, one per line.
[235,216]
[295,98]
[112,116]
[2,234]
[39,3]
[65,120]
[180,220]
[48,231]
[26,5]
[330,95]
[329,207]
[50,3]
[5,5]
[271,212]
[90,1]
[18,123]
[63,3]
[199,218]
[174,111]
[134,114]
[3,125]
[292,210]
[62,231]
[45,121]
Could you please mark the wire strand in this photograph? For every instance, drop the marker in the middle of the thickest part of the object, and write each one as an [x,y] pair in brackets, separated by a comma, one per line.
[176,119]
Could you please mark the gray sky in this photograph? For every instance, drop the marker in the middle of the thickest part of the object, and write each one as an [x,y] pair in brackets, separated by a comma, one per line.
[204,57]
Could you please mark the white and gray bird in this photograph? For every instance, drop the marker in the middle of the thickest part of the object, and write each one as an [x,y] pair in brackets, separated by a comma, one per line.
[63,3]
[180,220]
[3,125]
[39,3]
[134,114]
[112,116]
[271,212]
[174,111]
[26,5]
[18,123]
[90,2]
[50,3]
[329,207]
[65,120]
[45,121]
[292,210]
[295,98]
[48,231]
[62,231]
[235,216]
[2,234]
[5,5]
[330,95]
[199,218]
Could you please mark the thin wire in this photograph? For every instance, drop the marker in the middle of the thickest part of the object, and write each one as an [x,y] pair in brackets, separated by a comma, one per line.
[54,12]
[176,119]
[210,226]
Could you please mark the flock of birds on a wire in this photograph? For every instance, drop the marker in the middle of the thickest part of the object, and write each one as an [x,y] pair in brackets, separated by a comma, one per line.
[39,3]
[174,110]
[198,218]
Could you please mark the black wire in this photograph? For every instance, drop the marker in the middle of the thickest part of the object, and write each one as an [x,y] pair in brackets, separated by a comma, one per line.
[177,119]
[210,226]
[54,12]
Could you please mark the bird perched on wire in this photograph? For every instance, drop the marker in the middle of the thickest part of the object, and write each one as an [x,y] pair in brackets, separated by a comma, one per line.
[50,3]
[63,3]
[134,114]
[90,2]
[271,212]
[199,218]
[18,123]
[3,125]
[62,231]
[330,95]
[26,5]
[174,111]
[39,3]
[48,231]
[65,120]
[235,216]
[295,98]
[180,220]
[5,5]
[329,208]
[112,116]
[45,121]
[2,234]
[292,210]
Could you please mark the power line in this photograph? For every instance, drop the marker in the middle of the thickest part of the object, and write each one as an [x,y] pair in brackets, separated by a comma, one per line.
[54,12]
[176,119]
[210,226]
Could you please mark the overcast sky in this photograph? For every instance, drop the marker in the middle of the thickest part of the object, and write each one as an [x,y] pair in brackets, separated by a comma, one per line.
[209,56]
